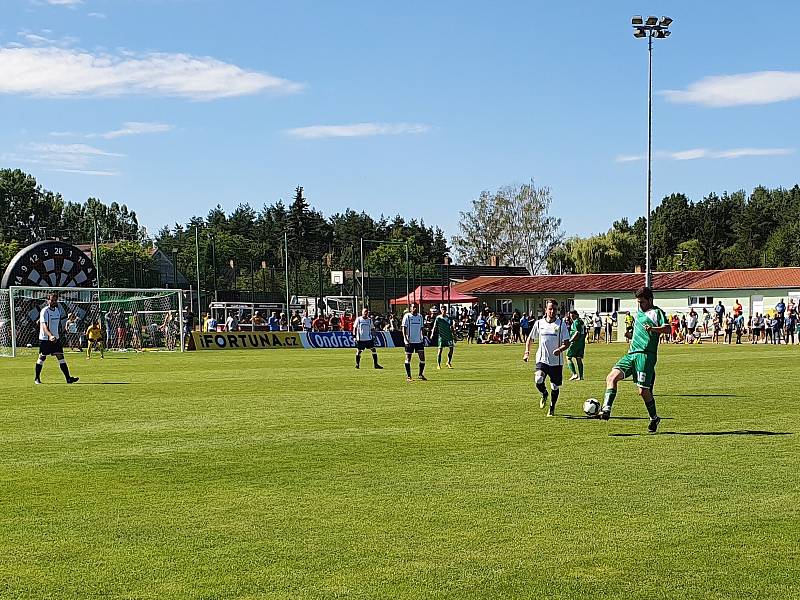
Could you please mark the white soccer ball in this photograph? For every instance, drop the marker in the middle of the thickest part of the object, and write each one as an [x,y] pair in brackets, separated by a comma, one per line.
[591,407]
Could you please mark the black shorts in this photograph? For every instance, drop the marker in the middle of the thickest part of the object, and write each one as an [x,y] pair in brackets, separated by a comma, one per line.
[48,348]
[554,372]
[415,347]
[365,344]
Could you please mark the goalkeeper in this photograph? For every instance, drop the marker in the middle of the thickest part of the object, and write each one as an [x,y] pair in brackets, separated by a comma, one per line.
[94,339]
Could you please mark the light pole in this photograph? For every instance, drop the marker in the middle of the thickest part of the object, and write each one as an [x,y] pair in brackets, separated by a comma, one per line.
[652,27]
[175,268]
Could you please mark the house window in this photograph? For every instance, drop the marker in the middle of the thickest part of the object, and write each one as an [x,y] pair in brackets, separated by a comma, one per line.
[503,307]
[608,305]
[701,301]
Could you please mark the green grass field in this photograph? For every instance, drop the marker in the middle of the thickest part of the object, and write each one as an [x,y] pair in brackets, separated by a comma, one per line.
[289,474]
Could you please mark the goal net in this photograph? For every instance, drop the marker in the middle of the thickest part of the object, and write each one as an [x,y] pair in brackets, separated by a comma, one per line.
[130,319]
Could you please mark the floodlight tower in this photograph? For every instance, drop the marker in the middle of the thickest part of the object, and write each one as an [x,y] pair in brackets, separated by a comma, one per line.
[652,27]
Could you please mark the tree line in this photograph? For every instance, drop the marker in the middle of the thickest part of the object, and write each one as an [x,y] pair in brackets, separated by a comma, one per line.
[244,249]
[728,231]
[241,250]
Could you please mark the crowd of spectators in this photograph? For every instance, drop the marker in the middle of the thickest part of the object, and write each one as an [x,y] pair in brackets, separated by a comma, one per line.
[481,325]
[779,325]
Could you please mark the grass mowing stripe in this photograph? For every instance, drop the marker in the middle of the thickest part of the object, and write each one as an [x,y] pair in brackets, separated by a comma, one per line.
[291,474]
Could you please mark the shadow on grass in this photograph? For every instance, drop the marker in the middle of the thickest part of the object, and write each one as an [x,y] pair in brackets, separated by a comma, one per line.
[106,383]
[754,432]
[585,418]
[696,396]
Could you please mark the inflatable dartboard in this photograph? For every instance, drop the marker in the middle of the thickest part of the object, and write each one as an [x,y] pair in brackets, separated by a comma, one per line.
[50,264]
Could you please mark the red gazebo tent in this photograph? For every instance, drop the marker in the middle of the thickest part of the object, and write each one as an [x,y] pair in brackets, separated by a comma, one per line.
[434,294]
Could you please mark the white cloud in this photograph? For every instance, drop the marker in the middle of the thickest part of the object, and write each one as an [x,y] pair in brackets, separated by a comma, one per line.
[621,158]
[127,128]
[69,3]
[357,130]
[69,149]
[133,128]
[61,156]
[762,87]
[692,154]
[740,152]
[97,15]
[58,72]
[697,153]
[41,39]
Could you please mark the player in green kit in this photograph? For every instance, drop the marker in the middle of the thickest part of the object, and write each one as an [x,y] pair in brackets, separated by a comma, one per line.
[577,346]
[640,361]
[442,326]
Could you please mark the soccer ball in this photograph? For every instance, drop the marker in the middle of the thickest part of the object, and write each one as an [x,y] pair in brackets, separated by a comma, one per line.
[591,407]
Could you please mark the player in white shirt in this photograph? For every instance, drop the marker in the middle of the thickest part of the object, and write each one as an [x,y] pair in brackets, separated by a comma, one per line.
[412,336]
[553,337]
[363,327]
[307,322]
[50,338]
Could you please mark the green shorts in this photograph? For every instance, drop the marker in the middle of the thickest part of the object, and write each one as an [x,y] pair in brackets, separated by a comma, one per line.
[445,343]
[640,365]
[575,351]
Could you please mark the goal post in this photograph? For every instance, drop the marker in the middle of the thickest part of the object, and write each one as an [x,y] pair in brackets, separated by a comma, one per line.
[131,319]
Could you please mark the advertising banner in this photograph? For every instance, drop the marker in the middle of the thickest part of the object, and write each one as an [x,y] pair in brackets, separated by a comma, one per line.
[246,340]
[342,339]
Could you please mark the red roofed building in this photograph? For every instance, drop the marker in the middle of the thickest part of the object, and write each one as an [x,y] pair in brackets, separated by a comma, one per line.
[758,290]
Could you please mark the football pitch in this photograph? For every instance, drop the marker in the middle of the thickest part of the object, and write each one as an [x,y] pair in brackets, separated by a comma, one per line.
[289,474]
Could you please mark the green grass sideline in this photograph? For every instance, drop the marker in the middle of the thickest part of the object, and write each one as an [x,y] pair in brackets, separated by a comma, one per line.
[289,474]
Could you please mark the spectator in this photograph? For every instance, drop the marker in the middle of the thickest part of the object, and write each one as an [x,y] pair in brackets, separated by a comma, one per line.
[780,309]
[628,326]
[71,328]
[283,324]
[516,326]
[738,324]
[609,323]
[232,322]
[472,329]
[719,309]
[755,329]
[334,323]
[525,326]
[320,323]
[296,323]
[691,323]
[597,323]
[737,309]
[706,320]
[791,325]
[716,325]
[274,321]
[347,322]
[728,329]
[777,329]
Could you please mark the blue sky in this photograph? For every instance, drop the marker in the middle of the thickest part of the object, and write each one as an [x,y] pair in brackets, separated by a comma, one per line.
[173,106]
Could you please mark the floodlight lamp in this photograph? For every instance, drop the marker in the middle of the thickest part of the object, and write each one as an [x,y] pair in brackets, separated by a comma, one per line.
[639,33]
[651,21]
[665,21]
[666,33]
[637,20]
